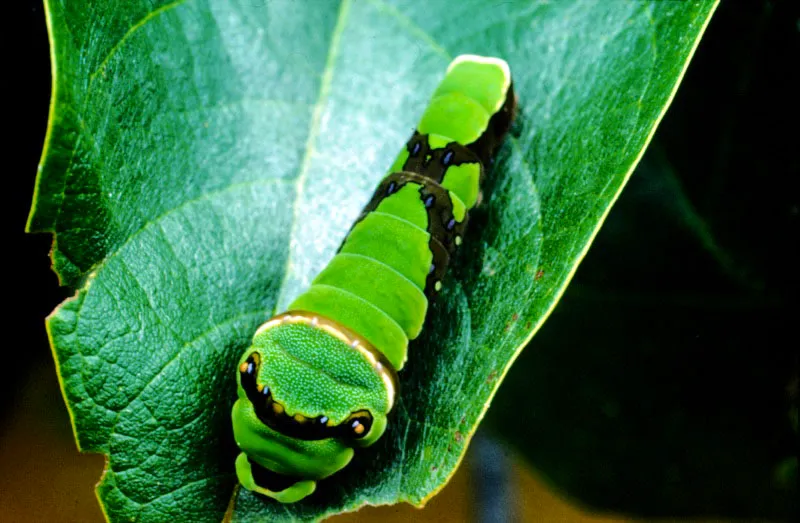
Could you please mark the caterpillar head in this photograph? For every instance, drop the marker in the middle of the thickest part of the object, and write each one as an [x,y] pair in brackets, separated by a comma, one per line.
[309,393]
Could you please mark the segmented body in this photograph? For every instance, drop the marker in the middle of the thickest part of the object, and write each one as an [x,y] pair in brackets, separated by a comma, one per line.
[321,379]
[395,257]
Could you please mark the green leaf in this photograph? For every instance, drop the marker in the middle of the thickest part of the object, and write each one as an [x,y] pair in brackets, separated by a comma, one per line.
[204,160]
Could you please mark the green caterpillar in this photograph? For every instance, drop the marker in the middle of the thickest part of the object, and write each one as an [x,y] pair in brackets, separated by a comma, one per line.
[320,380]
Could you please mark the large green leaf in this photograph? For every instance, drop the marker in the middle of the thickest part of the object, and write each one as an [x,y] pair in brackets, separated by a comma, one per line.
[204,160]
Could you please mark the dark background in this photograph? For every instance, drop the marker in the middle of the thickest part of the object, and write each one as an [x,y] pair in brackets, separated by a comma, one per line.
[35,291]
[665,381]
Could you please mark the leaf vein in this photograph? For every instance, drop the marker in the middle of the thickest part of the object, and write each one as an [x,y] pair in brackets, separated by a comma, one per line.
[184,346]
[410,26]
[130,32]
[316,119]
[202,197]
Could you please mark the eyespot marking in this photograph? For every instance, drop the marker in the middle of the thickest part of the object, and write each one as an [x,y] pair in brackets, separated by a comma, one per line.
[297,425]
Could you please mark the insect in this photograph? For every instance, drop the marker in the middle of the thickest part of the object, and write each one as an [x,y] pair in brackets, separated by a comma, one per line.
[319,380]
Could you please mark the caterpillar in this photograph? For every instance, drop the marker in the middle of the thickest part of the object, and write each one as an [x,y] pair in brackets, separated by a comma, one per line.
[319,380]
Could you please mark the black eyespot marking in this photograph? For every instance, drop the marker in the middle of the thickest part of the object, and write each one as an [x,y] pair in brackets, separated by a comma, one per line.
[360,423]
[429,200]
[447,158]
[415,149]
[391,188]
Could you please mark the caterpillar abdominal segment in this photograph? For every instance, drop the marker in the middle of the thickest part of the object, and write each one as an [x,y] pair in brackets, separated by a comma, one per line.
[319,380]
[444,229]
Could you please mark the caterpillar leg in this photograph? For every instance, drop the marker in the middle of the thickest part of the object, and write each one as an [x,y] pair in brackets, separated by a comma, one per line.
[284,488]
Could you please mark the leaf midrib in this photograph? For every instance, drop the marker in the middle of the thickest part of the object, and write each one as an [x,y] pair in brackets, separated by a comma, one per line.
[313,133]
